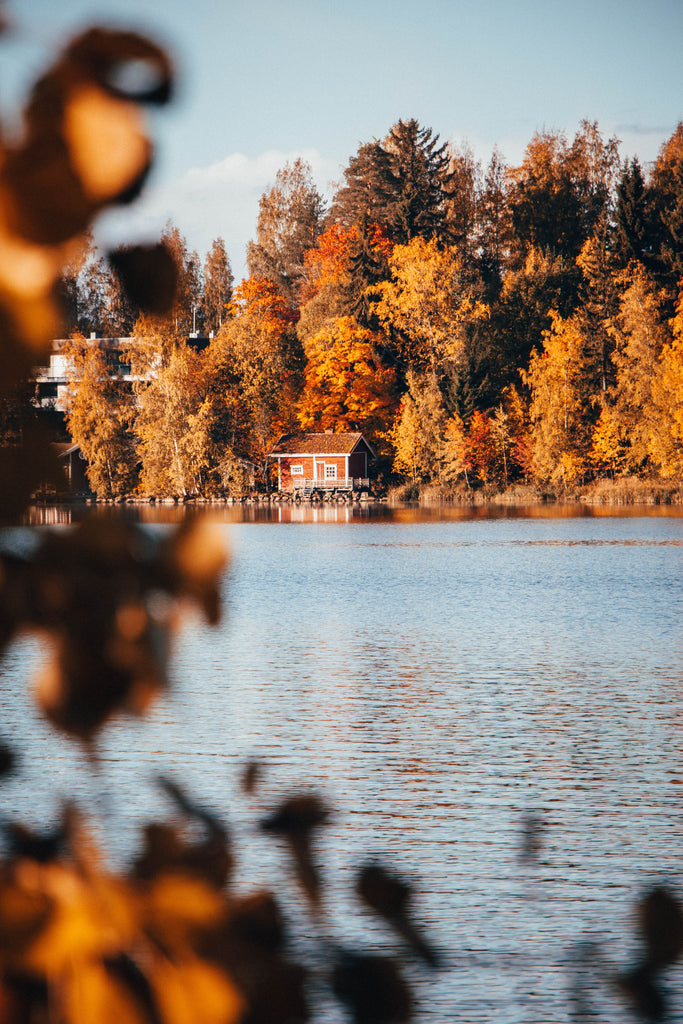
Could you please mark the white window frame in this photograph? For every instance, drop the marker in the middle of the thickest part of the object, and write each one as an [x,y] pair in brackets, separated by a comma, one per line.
[330,470]
[297,469]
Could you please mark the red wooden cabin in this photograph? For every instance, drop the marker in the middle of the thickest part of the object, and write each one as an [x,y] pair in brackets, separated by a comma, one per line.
[326,461]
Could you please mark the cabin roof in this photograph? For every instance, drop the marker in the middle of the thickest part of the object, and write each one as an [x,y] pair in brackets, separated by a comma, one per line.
[319,444]
[63,448]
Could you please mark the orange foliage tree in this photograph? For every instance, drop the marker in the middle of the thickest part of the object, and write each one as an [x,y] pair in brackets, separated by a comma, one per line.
[346,386]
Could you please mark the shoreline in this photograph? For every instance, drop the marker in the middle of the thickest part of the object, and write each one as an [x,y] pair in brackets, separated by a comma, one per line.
[645,493]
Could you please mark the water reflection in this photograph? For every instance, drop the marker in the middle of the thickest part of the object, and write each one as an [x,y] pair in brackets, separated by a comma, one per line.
[359,512]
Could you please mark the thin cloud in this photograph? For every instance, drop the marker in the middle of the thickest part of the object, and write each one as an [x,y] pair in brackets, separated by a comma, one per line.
[220,200]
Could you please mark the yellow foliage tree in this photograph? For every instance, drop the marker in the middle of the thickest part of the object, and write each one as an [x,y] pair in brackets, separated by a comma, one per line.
[426,305]
[456,462]
[667,444]
[640,336]
[257,355]
[558,408]
[609,446]
[418,432]
[99,417]
[172,418]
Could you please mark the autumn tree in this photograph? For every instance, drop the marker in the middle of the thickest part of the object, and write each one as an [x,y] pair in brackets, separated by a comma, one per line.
[397,182]
[599,293]
[182,319]
[667,444]
[69,286]
[559,407]
[635,236]
[346,387]
[494,225]
[172,415]
[483,448]
[365,194]
[560,191]
[455,456]
[217,287]
[633,414]
[426,305]
[257,353]
[418,170]
[462,190]
[99,416]
[522,311]
[289,221]
[418,432]
[666,191]
[106,308]
[369,267]
[327,292]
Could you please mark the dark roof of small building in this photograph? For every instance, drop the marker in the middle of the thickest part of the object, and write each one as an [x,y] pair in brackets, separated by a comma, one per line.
[319,444]
[64,448]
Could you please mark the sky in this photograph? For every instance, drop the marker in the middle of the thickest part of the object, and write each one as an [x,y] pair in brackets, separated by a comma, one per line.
[261,82]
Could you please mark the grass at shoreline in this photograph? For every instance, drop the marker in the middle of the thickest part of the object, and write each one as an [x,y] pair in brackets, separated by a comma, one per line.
[621,491]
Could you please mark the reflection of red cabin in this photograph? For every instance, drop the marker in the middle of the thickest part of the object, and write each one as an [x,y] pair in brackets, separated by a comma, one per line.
[327,461]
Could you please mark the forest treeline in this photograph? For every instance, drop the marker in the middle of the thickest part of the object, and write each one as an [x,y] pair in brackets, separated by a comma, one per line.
[481,325]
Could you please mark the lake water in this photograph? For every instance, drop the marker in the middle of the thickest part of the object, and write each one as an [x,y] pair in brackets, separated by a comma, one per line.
[437,675]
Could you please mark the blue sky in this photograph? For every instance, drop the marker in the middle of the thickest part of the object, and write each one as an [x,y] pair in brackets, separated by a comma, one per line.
[264,81]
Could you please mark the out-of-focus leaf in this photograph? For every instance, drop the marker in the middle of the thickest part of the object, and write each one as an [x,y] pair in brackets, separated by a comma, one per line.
[177,908]
[195,557]
[257,919]
[14,600]
[251,776]
[297,815]
[191,991]
[126,971]
[23,914]
[163,850]
[104,56]
[92,918]
[274,989]
[250,948]
[108,148]
[372,988]
[644,992]
[27,844]
[383,891]
[295,821]
[30,317]
[89,993]
[148,275]
[389,896]
[661,924]
[110,644]
[208,857]
[23,998]
[8,758]
[84,145]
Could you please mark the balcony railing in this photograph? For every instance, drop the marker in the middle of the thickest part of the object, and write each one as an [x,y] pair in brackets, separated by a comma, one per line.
[348,483]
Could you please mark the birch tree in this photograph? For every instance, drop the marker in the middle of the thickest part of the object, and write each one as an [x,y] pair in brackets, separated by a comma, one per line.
[99,418]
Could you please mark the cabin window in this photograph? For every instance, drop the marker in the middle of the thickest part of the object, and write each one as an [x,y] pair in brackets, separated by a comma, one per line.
[297,470]
[330,471]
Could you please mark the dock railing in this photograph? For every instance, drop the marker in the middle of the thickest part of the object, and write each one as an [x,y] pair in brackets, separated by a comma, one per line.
[349,483]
